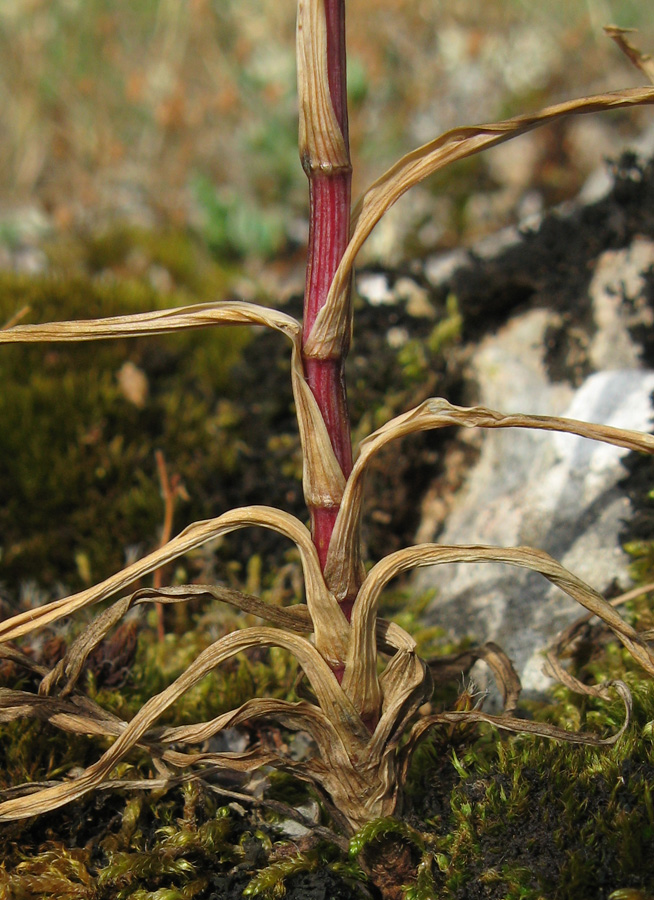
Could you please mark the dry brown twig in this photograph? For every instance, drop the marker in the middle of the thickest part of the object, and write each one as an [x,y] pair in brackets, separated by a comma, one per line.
[172,489]
[364,723]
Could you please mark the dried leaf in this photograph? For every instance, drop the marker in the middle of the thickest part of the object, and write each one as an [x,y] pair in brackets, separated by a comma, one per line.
[521,726]
[362,644]
[343,559]
[323,481]
[329,623]
[70,668]
[459,143]
[165,321]
[338,715]
[642,61]
[405,684]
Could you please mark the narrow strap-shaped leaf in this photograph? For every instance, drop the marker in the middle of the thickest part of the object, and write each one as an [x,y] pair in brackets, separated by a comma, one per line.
[413,168]
[522,726]
[336,707]
[641,61]
[343,560]
[329,622]
[322,478]
[362,644]
[296,618]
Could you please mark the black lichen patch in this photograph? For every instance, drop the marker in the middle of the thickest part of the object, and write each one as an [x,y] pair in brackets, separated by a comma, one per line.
[552,268]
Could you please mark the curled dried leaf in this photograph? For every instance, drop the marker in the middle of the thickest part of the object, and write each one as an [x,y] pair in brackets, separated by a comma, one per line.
[70,668]
[459,143]
[323,480]
[343,560]
[164,321]
[329,623]
[357,679]
[521,726]
[336,714]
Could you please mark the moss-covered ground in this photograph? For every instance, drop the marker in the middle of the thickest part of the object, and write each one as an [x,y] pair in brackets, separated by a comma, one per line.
[486,818]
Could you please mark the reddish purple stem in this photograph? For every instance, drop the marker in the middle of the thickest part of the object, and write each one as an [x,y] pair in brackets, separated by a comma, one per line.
[329,231]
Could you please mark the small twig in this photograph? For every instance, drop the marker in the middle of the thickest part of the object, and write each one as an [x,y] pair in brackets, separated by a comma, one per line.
[632,594]
[15,319]
[171,489]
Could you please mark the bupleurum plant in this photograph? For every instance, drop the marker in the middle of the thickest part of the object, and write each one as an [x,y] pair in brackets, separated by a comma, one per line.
[367,682]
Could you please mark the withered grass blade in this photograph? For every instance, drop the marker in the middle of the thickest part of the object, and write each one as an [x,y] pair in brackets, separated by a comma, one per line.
[328,622]
[343,560]
[323,480]
[642,61]
[71,666]
[164,321]
[363,645]
[457,144]
[405,684]
[336,709]
[522,726]
[79,715]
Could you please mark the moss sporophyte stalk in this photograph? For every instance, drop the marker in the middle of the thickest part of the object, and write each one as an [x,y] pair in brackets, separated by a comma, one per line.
[368,683]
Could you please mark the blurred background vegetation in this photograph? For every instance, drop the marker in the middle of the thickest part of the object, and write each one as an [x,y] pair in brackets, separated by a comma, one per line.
[148,159]
[184,111]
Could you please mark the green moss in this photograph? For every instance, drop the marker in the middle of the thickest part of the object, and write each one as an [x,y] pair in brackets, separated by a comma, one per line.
[448,329]
[516,817]
[79,473]
[531,818]
[380,828]
[270,882]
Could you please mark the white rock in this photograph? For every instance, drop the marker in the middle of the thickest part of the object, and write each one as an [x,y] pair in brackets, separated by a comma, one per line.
[619,276]
[558,493]
[441,267]
[375,289]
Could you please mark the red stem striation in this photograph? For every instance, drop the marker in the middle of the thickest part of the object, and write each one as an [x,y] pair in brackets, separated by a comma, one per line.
[329,231]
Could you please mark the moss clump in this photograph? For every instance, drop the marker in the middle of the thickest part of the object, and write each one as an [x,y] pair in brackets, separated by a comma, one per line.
[488,818]
[79,475]
[525,818]
[79,485]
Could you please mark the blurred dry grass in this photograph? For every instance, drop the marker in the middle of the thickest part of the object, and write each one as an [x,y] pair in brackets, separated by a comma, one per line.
[110,106]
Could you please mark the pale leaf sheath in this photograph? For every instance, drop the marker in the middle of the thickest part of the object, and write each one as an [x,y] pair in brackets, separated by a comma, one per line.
[323,480]
[321,143]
